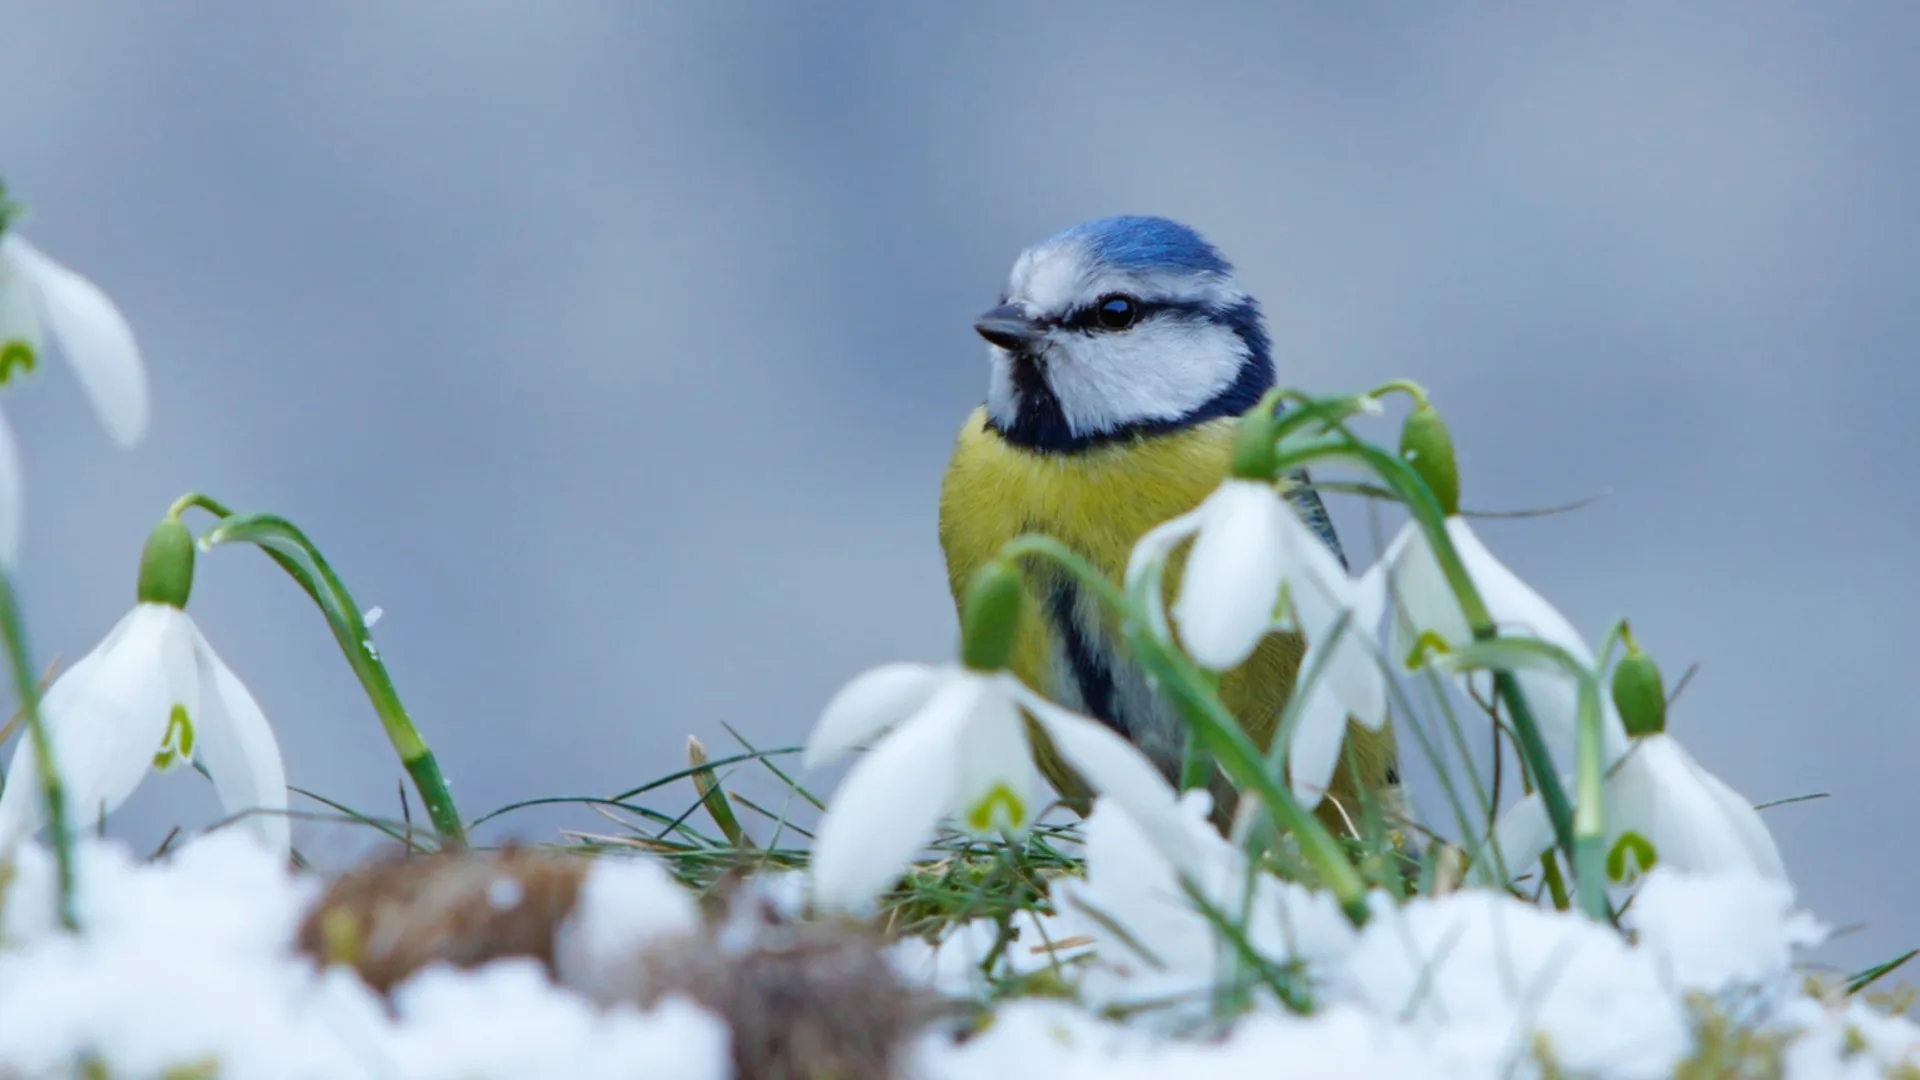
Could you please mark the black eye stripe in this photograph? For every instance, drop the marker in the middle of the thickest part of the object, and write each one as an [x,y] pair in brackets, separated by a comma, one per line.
[1087,317]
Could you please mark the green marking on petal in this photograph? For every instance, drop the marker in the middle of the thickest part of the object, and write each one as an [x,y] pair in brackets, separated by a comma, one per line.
[1639,849]
[176,745]
[998,806]
[1427,645]
[15,355]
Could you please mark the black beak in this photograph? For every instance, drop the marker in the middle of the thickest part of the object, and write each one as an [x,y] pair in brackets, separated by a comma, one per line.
[1008,327]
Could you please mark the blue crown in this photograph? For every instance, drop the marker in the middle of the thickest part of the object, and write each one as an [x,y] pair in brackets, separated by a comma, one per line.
[1134,242]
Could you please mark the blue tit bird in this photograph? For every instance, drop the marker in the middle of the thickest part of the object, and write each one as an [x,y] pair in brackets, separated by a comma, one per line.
[1121,355]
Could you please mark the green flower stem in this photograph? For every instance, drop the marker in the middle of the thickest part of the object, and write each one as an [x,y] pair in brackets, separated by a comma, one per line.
[1588,854]
[1331,413]
[1420,503]
[1195,763]
[1401,386]
[1589,814]
[1213,726]
[295,554]
[218,509]
[26,687]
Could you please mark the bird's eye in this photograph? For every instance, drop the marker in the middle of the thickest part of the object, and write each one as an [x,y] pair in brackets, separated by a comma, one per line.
[1116,312]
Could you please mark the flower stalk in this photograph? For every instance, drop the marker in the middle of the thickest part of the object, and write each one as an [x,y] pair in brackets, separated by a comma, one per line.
[27,689]
[302,561]
[1215,730]
[1407,485]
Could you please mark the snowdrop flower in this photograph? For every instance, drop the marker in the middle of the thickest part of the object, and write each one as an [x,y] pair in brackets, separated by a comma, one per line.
[41,300]
[955,744]
[1408,583]
[1252,553]
[1152,942]
[1695,822]
[151,696]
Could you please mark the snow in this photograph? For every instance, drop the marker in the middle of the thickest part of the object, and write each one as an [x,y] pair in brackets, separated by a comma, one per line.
[189,962]
[624,905]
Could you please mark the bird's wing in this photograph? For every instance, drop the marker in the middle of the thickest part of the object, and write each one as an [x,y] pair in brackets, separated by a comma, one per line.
[1306,502]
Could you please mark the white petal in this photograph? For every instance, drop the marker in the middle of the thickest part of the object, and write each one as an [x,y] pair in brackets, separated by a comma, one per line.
[1115,768]
[106,716]
[1523,834]
[1315,750]
[19,319]
[13,498]
[237,746]
[1152,549]
[1317,584]
[873,702]
[1660,792]
[995,771]
[1132,888]
[1233,573]
[94,337]
[1515,607]
[1370,592]
[889,803]
[1746,822]
[1148,562]
[1352,674]
[1418,597]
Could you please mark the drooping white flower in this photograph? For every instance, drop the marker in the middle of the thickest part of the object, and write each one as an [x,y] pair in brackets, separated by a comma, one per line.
[1408,585]
[1152,942]
[1695,822]
[1252,556]
[955,743]
[42,301]
[151,696]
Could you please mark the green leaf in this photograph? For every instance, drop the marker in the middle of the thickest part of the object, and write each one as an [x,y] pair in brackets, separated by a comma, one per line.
[302,561]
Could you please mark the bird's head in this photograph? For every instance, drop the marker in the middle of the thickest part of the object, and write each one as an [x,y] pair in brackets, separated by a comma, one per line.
[1119,327]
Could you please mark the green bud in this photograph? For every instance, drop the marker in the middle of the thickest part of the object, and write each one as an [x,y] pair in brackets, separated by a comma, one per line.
[990,618]
[166,565]
[1639,694]
[1426,445]
[8,208]
[1253,450]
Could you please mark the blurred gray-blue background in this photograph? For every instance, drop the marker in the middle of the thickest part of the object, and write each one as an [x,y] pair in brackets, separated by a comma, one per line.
[615,349]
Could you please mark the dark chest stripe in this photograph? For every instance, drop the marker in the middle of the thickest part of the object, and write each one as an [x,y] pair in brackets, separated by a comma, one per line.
[1089,671]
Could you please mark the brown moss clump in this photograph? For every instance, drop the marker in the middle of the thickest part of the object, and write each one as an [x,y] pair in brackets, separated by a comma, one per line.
[391,918]
[806,1000]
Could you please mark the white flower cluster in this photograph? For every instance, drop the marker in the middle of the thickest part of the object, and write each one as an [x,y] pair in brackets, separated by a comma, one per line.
[187,967]
[153,694]
[1475,983]
[953,741]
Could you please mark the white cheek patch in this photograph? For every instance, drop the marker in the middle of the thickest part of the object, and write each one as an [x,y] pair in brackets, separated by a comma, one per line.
[1003,401]
[1163,369]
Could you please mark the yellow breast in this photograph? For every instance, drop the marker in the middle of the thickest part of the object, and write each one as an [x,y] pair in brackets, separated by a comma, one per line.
[1099,502]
